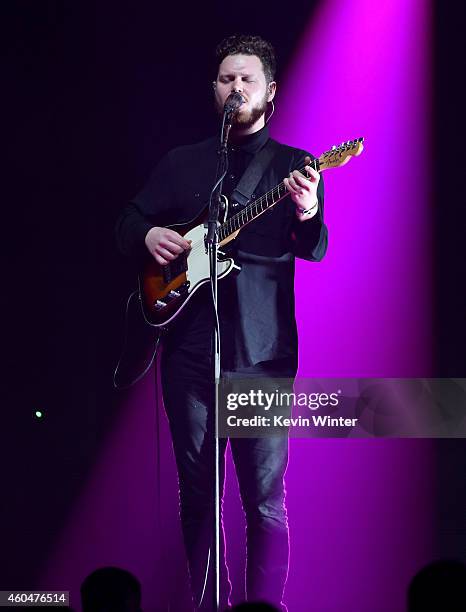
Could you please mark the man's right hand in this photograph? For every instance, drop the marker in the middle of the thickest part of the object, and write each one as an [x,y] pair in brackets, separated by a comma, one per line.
[165,245]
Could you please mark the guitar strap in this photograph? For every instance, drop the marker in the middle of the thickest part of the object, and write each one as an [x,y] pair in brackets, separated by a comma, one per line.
[142,341]
[253,173]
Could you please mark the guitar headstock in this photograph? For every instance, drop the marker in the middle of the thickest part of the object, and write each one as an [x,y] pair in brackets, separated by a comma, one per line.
[339,156]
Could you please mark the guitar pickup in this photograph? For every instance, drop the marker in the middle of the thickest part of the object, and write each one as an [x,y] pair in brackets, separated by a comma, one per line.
[159,304]
[174,294]
[175,268]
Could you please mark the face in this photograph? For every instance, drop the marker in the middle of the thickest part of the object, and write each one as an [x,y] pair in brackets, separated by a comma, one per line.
[245,74]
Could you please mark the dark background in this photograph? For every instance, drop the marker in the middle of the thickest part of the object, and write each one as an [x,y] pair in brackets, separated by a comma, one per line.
[93,96]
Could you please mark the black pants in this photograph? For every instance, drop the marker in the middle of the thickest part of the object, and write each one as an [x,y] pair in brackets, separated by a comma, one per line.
[260,467]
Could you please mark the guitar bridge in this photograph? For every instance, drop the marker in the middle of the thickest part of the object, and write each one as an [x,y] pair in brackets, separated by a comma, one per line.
[172,295]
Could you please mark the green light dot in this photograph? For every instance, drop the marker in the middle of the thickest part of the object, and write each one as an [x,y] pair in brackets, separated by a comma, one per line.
[39,414]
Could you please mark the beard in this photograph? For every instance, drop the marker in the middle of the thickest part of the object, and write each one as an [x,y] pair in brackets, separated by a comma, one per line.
[245,119]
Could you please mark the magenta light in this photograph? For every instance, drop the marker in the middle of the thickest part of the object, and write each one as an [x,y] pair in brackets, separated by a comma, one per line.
[115,519]
[361,510]
[363,69]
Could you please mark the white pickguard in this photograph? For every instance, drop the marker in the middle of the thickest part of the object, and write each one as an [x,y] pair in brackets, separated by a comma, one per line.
[198,259]
[198,272]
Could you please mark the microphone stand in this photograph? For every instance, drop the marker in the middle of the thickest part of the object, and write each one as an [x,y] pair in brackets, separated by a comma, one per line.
[211,243]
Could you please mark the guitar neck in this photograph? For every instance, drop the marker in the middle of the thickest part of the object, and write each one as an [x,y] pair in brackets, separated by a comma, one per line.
[333,158]
[255,208]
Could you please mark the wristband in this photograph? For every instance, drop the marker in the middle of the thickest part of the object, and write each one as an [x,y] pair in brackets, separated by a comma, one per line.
[305,211]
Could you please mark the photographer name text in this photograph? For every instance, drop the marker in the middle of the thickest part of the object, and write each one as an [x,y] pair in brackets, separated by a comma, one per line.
[281,421]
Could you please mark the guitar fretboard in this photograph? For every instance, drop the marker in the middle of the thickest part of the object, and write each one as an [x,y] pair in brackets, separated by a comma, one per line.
[255,208]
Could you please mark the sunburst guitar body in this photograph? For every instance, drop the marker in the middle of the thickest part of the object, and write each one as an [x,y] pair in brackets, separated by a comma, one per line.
[165,290]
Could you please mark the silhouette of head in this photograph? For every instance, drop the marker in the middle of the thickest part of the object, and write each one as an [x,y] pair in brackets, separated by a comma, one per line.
[438,586]
[111,589]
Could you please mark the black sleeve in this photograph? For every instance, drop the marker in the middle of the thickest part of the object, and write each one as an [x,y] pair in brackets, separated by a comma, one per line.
[145,210]
[310,238]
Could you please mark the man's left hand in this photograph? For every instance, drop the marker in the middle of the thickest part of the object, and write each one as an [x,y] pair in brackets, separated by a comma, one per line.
[303,191]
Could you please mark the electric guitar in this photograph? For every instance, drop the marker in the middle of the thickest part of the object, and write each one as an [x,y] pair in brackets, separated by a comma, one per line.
[164,290]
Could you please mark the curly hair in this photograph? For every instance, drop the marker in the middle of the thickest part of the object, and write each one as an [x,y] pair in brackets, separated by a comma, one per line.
[245,44]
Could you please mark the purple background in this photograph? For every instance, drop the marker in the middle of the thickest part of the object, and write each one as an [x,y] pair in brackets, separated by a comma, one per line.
[360,510]
[94,95]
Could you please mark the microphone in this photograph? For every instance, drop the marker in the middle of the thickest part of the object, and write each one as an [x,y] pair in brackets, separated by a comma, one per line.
[233,102]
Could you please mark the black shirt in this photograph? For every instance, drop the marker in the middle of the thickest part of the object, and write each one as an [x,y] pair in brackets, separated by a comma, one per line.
[257,306]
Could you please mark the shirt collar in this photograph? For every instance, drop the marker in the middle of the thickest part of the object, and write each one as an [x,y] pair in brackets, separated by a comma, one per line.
[251,143]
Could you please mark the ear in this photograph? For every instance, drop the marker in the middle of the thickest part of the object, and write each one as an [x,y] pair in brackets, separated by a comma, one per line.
[271,89]
[214,84]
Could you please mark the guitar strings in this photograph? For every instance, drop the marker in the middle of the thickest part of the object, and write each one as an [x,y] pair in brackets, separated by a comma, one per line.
[197,246]
[228,225]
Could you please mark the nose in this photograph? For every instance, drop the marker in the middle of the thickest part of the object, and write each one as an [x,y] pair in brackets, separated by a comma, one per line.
[237,86]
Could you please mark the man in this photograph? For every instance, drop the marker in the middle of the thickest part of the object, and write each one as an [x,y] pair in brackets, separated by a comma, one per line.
[256,310]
